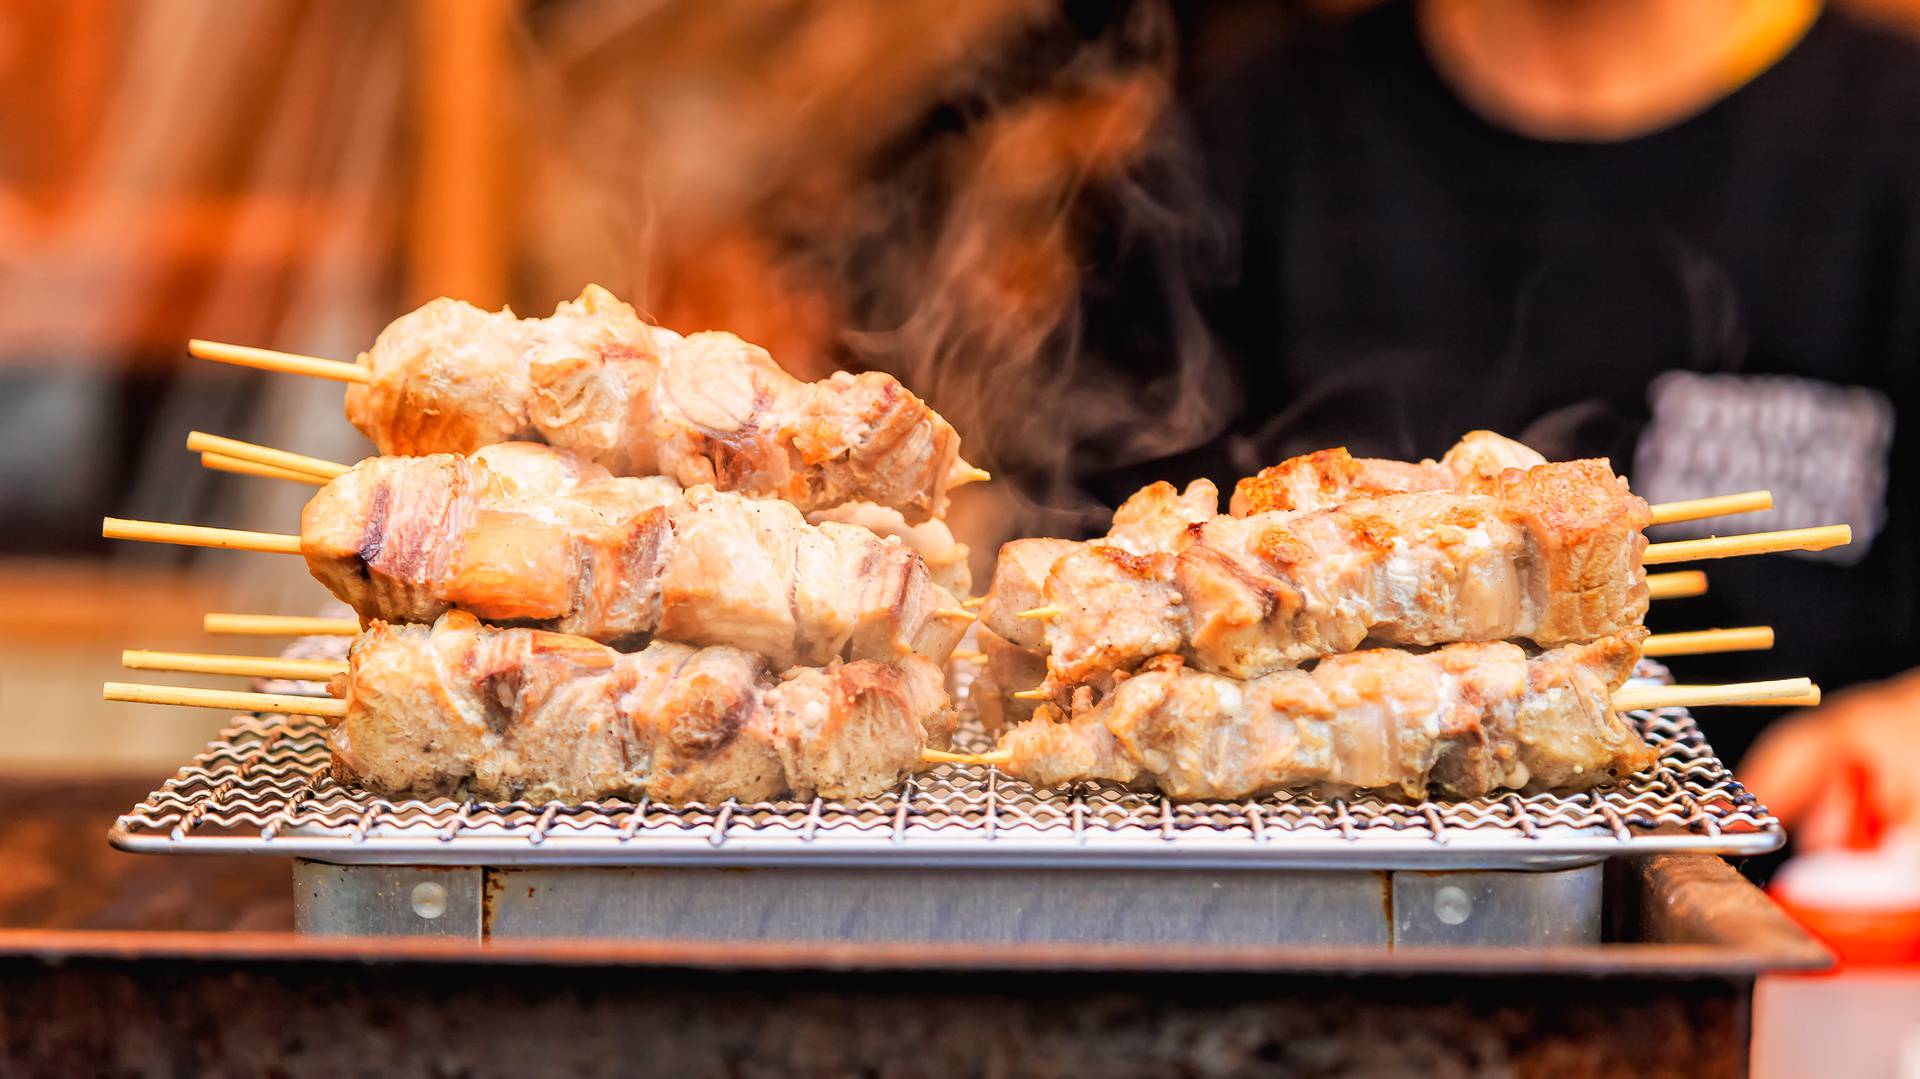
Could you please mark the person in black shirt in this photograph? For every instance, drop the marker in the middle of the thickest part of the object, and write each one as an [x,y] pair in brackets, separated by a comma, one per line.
[1682,234]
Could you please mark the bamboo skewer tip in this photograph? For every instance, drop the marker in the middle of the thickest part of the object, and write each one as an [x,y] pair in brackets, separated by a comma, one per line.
[202,442]
[299,670]
[941,756]
[1677,584]
[1694,509]
[1817,538]
[231,539]
[220,462]
[1705,641]
[1049,611]
[278,625]
[1685,696]
[267,359]
[238,700]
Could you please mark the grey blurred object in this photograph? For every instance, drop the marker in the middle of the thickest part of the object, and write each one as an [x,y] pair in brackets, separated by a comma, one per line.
[51,418]
[1821,448]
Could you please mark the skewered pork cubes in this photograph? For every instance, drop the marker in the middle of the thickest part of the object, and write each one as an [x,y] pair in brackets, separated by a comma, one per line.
[465,710]
[639,399]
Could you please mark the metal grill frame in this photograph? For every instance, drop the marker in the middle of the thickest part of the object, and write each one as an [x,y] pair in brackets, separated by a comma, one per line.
[263,788]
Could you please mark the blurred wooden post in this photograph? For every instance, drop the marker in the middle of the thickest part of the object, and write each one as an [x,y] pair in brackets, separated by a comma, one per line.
[459,230]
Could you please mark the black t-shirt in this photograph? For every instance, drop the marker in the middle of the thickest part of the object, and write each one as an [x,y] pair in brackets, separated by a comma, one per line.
[1408,271]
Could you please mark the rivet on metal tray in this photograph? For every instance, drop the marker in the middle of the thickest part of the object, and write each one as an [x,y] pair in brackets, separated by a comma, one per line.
[1452,905]
[429,900]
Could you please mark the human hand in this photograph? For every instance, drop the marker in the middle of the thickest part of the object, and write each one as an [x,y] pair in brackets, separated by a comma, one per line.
[1845,773]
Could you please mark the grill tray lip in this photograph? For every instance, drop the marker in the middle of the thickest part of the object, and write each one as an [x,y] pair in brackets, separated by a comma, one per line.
[262,788]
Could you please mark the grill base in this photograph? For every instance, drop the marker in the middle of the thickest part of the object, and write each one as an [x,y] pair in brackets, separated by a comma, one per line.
[1184,908]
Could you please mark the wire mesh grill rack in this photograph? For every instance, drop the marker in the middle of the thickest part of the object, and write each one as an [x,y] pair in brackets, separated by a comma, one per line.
[264,788]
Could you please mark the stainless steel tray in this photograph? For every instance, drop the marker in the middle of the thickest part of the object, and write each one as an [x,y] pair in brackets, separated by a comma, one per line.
[263,789]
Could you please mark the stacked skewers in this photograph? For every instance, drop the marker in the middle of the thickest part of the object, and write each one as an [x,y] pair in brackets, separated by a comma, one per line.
[598,559]
[1464,625]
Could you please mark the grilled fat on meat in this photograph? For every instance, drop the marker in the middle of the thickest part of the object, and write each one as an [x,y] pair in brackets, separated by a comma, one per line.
[638,399]
[1329,478]
[1551,555]
[619,560]
[536,466]
[464,710]
[945,556]
[1466,720]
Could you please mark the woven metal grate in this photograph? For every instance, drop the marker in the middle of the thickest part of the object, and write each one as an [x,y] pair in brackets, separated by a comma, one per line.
[263,788]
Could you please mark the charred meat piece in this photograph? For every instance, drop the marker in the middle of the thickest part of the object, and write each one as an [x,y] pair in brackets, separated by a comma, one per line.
[1467,719]
[637,399]
[464,710]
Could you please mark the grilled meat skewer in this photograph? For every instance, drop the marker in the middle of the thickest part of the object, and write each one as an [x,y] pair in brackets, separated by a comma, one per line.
[640,399]
[464,710]
[1467,720]
[619,560]
[1157,520]
[1552,556]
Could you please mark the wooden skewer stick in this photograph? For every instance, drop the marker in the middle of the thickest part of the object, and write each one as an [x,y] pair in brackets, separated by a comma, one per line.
[1679,584]
[969,657]
[1032,695]
[279,625]
[1694,696]
[1818,538]
[974,603]
[229,539]
[956,614]
[1693,509]
[238,700]
[969,475]
[254,666]
[1049,611]
[220,462]
[267,359]
[1804,700]
[1703,641]
[941,756]
[202,442]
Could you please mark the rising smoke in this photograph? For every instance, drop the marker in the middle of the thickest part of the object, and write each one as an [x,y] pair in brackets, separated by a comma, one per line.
[991,200]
